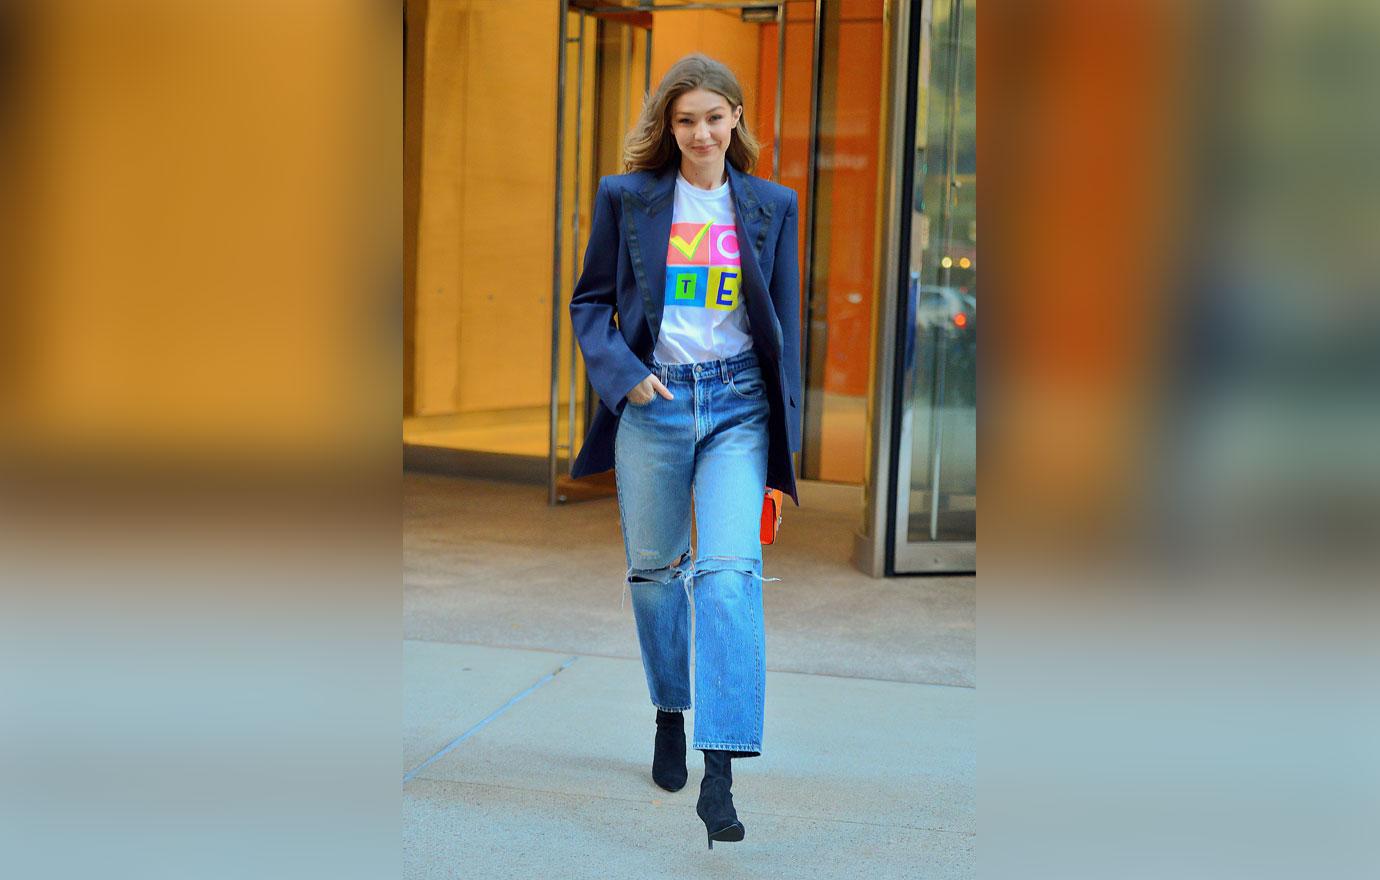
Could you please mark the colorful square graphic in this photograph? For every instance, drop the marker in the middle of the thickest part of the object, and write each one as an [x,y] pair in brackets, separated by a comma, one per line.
[689,244]
[703,266]
[723,246]
[723,288]
[686,285]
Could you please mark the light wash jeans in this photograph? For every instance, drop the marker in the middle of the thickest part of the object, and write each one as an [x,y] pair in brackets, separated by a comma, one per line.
[712,440]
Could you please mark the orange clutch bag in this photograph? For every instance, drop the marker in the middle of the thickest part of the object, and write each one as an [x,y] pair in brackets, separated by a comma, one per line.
[771,515]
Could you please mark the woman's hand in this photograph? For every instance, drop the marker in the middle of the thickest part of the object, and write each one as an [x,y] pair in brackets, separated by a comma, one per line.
[643,392]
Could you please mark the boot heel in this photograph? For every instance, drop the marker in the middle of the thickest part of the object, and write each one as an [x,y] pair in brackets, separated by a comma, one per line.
[729,834]
[715,806]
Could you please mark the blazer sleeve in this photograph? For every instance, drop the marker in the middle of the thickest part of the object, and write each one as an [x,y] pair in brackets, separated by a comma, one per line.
[612,367]
[785,296]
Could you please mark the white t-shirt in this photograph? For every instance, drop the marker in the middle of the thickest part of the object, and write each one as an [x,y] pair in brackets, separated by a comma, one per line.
[703,316]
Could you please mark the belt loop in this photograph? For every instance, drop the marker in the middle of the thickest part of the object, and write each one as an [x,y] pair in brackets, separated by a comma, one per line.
[724,371]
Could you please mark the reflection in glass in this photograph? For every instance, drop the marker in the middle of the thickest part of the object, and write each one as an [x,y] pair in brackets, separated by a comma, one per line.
[941,335]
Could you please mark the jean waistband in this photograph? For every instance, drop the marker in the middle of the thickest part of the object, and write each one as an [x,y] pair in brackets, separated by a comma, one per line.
[723,367]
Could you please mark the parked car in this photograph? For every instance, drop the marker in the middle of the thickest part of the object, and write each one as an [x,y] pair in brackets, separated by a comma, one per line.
[944,324]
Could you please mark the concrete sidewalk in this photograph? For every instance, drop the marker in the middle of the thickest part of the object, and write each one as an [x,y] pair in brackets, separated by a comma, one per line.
[528,732]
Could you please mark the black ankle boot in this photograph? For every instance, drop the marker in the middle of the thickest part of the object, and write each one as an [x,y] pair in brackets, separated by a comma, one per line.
[668,763]
[715,807]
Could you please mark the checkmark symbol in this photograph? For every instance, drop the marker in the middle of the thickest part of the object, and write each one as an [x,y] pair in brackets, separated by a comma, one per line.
[689,248]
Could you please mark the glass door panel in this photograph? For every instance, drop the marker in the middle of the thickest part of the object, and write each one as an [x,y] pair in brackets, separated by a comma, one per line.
[937,474]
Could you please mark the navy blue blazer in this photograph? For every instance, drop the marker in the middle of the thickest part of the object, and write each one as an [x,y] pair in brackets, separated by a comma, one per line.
[625,276]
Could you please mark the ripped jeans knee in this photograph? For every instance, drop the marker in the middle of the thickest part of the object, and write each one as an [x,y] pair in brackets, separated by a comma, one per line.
[680,569]
[687,570]
[751,566]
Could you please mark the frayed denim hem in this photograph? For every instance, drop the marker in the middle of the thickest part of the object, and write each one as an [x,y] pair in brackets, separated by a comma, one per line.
[680,709]
[727,747]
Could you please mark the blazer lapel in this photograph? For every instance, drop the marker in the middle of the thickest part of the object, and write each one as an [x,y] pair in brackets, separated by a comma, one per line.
[753,215]
[650,211]
[754,220]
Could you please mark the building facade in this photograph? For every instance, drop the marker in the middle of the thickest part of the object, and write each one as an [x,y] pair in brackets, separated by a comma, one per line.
[516,108]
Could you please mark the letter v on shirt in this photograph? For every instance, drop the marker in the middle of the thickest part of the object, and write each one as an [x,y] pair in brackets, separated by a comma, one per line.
[703,317]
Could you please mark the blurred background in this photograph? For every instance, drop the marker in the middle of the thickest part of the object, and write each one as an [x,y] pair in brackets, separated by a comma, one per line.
[1179,439]
[200,276]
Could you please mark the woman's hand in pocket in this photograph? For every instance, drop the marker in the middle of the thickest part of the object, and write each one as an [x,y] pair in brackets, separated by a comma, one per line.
[643,392]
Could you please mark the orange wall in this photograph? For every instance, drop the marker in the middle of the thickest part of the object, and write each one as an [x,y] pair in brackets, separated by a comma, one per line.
[483,245]
[848,163]
[795,118]
[849,155]
[717,33]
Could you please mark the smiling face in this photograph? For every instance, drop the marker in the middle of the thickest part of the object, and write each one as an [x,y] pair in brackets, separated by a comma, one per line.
[702,123]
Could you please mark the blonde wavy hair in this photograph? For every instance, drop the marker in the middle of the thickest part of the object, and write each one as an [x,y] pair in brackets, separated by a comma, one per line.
[651,146]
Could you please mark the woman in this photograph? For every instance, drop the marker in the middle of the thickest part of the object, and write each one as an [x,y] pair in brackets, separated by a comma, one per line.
[698,380]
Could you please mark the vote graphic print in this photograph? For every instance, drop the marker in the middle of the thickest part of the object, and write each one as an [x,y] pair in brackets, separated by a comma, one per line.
[703,266]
